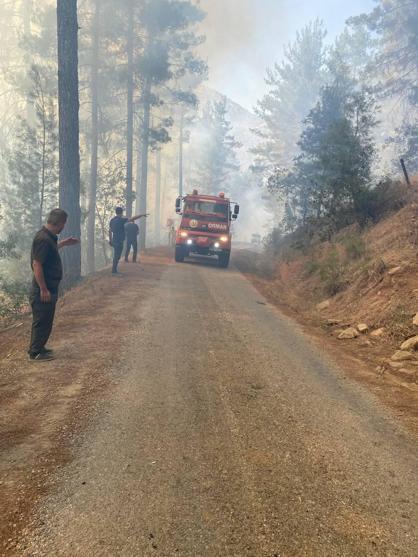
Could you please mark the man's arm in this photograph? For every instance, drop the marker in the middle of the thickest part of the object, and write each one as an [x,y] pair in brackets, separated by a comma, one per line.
[137,217]
[68,242]
[38,272]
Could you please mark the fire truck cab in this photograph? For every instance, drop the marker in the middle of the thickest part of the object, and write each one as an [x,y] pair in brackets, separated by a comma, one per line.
[205,227]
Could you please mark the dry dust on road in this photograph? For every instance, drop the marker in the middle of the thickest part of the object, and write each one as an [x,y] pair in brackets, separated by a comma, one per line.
[226,433]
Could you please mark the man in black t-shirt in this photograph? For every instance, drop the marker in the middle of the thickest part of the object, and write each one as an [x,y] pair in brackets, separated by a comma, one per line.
[117,235]
[47,274]
[132,233]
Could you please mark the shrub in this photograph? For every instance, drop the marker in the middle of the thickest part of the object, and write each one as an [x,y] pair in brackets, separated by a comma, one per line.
[332,273]
[13,297]
[399,323]
[355,247]
[311,267]
[382,200]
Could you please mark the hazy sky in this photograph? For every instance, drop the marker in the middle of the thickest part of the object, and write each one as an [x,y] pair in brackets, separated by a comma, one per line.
[244,37]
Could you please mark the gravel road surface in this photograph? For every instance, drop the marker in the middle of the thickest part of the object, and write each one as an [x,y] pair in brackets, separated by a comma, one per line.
[228,433]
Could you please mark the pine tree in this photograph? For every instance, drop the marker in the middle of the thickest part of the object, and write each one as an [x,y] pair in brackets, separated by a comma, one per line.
[395,23]
[69,150]
[33,164]
[166,56]
[332,174]
[218,158]
[294,87]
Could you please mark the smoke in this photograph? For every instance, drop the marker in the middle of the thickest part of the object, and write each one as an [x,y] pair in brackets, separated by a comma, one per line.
[244,37]
[239,33]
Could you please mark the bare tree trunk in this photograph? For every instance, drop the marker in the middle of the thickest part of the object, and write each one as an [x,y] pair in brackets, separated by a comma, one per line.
[157,220]
[144,159]
[130,110]
[26,9]
[104,236]
[69,154]
[27,16]
[138,174]
[94,85]
[181,147]
[42,200]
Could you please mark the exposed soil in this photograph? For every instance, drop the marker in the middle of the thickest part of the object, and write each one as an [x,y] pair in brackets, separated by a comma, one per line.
[370,295]
[227,433]
[44,406]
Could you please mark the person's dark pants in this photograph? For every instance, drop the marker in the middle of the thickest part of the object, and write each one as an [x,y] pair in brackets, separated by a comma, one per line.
[42,321]
[131,244]
[117,254]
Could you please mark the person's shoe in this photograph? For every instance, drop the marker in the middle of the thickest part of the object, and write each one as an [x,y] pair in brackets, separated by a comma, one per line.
[47,351]
[42,357]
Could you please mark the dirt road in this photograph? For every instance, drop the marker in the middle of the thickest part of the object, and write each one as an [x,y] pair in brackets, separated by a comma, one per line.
[226,433]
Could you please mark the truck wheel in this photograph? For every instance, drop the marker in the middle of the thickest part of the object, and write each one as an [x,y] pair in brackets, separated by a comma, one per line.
[180,255]
[224,260]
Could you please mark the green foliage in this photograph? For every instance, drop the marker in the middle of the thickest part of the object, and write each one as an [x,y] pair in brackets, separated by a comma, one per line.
[333,170]
[331,272]
[8,248]
[395,24]
[32,189]
[312,267]
[13,297]
[167,61]
[355,247]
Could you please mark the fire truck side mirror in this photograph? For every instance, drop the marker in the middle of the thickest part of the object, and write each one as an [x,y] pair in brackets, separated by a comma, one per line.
[236,211]
[178,205]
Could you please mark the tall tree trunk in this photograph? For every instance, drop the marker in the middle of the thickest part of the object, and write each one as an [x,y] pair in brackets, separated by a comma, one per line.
[144,158]
[27,6]
[43,172]
[181,147]
[94,85]
[157,220]
[69,153]
[26,14]
[130,110]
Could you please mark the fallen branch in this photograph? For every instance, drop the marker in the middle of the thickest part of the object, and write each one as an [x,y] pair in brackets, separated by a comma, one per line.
[16,326]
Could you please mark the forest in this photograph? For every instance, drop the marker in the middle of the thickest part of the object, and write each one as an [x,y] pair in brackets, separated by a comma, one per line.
[322,149]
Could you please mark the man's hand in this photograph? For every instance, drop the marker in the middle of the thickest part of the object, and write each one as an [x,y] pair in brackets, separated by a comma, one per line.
[46,297]
[137,217]
[68,242]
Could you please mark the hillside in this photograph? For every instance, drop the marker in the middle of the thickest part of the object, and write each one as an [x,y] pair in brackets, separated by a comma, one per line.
[358,295]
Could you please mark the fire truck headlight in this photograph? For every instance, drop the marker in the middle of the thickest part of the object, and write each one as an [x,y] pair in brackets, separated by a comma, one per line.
[217,245]
[224,239]
[183,234]
[189,242]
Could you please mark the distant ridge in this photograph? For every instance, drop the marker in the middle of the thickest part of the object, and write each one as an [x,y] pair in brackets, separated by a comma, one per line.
[242,121]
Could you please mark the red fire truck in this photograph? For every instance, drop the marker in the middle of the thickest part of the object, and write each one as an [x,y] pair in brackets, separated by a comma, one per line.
[205,227]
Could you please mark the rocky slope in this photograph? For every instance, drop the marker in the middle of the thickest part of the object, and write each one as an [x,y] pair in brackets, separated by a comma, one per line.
[360,292]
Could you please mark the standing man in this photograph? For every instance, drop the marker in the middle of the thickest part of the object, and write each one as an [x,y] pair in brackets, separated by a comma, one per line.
[132,233]
[117,235]
[47,275]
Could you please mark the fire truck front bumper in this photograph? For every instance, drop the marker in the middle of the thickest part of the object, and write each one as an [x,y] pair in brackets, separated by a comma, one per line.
[205,245]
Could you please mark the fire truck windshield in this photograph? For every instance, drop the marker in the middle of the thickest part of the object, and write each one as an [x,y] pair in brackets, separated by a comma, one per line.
[220,210]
